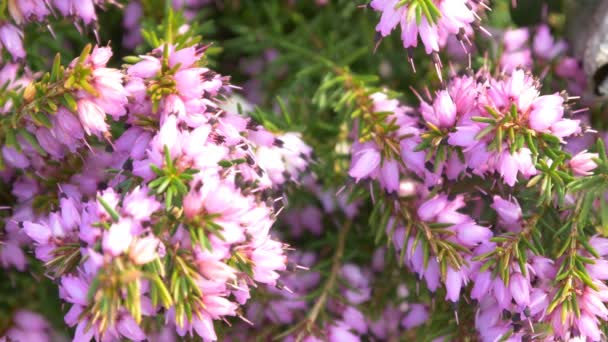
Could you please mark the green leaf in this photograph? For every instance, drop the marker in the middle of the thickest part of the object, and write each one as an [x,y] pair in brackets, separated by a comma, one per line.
[108,208]
[69,102]
[85,53]
[31,139]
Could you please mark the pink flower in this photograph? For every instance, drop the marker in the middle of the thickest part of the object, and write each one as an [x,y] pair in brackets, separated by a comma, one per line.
[417,316]
[355,319]
[128,328]
[471,234]
[139,204]
[589,328]
[455,15]
[92,117]
[546,110]
[464,136]
[443,112]
[118,238]
[544,44]
[582,163]
[508,211]
[510,61]
[565,128]
[12,40]
[148,67]
[510,164]
[74,290]
[366,159]
[514,39]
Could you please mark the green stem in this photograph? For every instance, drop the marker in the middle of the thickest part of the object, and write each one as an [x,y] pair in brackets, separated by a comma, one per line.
[329,284]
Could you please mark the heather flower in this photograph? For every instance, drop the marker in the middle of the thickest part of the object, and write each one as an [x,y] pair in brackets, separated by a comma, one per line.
[369,161]
[144,250]
[14,158]
[443,112]
[366,159]
[508,211]
[544,44]
[11,255]
[582,163]
[455,17]
[28,326]
[417,315]
[546,111]
[12,40]
[510,165]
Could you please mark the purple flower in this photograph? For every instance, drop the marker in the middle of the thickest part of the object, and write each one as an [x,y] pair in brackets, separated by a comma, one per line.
[341,333]
[85,9]
[520,289]
[366,159]
[128,328]
[544,44]
[443,112]
[355,319]
[74,290]
[508,211]
[39,233]
[12,40]
[417,316]
[14,158]
[454,281]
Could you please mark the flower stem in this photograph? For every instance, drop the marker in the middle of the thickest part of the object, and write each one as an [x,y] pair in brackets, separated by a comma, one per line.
[329,284]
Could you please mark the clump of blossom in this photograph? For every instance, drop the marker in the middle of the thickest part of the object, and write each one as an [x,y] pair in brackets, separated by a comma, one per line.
[40,11]
[94,92]
[371,160]
[511,103]
[206,166]
[537,49]
[28,326]
[441,19]
[463,231]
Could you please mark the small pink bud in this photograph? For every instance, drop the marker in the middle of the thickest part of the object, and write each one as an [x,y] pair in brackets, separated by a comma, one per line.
[582,164]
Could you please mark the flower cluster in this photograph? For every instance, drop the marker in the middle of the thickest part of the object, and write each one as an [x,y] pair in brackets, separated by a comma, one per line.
[432,21]
[29,326]
[480,126]
[172,218]
[361,311]
[24,12]
[544,53]
[63,108]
